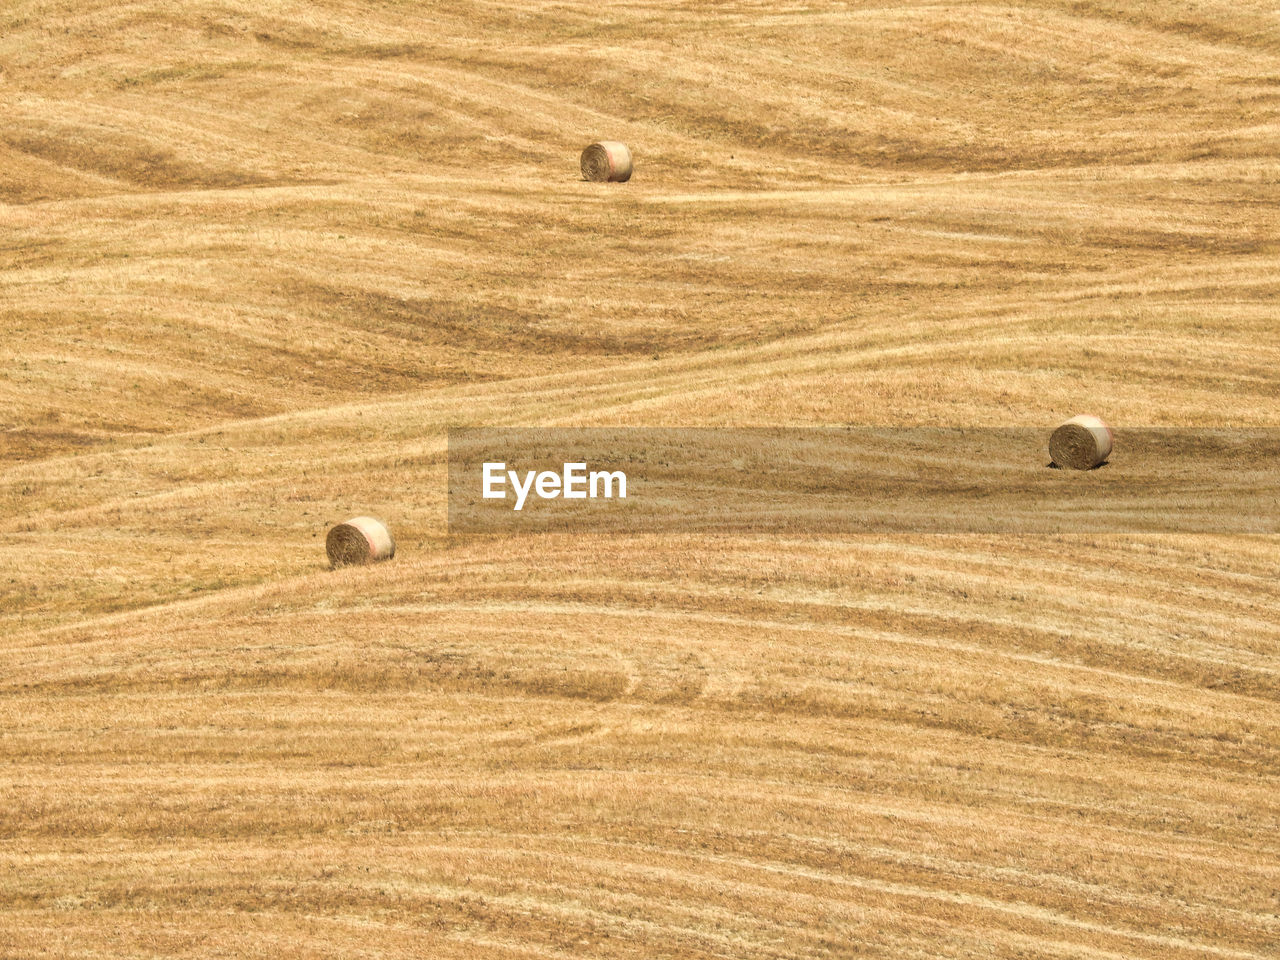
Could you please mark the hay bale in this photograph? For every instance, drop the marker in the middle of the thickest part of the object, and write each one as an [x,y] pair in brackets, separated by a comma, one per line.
[1081,443]
[606,162]
[359,540]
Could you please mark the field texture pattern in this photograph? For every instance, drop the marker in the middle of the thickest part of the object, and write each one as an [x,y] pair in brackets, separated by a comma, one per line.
[257,257]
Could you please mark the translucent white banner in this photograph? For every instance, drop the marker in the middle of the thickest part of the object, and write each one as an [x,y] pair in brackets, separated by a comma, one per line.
[858,479]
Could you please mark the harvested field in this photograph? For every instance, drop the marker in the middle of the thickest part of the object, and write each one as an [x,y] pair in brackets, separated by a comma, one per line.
[257,259]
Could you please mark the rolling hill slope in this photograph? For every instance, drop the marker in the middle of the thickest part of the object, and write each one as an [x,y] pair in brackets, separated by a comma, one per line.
[256,258]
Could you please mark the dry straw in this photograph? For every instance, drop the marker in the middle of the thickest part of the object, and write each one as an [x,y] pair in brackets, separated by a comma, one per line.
[359,540]
[1081,443]
[606,162]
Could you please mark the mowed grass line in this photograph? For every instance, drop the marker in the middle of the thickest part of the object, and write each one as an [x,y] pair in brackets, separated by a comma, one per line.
[729,766]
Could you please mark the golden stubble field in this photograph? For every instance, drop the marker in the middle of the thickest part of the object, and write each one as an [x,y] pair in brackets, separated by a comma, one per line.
[256,257]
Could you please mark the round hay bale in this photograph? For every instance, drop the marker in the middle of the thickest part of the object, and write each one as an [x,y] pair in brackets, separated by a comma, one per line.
[1081,443]
[360,540]
[606,162]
